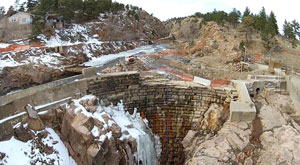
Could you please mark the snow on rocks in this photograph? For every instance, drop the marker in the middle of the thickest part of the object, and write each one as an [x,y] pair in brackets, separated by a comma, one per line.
[77,34]
[43,147]
[95,132]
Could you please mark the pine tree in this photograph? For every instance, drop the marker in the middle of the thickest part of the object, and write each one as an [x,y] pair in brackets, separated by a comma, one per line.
[31,4]
[296,28]
[246,12]
[10,11]
[289,33]
[261,20]
[273,22]
[234,17]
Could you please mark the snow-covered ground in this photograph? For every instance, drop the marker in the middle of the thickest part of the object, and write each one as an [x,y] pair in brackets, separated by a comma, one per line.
[47,58]
[21,153]
[4,45]
[99,61]
[77,31]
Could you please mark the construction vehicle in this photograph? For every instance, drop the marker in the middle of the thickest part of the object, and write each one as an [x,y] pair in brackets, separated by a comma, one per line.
[130,58]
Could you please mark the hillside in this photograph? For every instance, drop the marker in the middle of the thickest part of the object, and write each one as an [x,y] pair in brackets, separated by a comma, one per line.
[217,47]
[75,44]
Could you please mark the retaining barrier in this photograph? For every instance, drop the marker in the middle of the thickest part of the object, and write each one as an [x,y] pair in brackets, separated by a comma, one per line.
[13,48]
[219,82]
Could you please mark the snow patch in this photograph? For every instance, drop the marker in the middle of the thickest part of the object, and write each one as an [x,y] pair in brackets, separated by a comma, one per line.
[4,45]
[21,153]
[99,61]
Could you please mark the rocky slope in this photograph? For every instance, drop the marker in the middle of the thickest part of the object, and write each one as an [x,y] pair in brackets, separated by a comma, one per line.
[129,26]
[86,133]
[272,138]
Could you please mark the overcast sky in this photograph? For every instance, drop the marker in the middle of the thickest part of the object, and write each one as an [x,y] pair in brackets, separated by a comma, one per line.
[164,9]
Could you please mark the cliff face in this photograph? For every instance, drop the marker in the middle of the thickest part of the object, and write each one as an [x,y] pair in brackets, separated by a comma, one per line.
[272,138]
[208,38]
[128,26]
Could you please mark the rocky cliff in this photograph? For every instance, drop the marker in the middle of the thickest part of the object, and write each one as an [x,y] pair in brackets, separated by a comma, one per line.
[272,138]
[83,131]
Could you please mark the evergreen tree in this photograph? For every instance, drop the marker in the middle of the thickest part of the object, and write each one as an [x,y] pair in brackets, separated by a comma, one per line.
[261,20]
[289,33]
[31,4]
[66,9]
[10,11]
[296,28]
[22,7]
[234,17]
[247,12]
[273,23]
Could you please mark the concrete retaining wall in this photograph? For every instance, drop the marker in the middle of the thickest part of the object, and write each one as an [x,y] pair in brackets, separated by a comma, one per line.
[243,109]
[293,87]
[30,91]
[43,97]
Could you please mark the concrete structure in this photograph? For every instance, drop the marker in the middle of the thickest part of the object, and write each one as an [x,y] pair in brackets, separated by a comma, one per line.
[257,66]
[202,81]
[242,109]
[33,90]
[177,102]
[293,87]
[89,72]
[259,82]
[54,22]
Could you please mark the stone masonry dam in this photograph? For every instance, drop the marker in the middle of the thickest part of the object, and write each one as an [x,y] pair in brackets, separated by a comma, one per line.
[171,107]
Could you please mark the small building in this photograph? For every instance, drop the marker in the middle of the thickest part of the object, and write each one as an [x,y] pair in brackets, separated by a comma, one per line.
[54,21]
[20,18]
[15,27]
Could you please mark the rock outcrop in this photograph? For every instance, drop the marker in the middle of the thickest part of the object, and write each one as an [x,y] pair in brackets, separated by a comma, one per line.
[95,134]
[128,26]
[27,75]
[272,138]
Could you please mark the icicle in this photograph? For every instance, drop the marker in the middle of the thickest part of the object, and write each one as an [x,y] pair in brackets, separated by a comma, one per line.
[134,113]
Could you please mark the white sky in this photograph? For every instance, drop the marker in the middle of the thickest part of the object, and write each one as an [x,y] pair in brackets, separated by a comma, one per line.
[164,9]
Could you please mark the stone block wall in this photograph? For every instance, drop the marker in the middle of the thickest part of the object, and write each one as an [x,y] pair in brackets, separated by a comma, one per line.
[16,31]
[170,107]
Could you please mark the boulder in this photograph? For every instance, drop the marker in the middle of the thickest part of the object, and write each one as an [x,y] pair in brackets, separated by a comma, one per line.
[22,133]
[2,156]
[116,130]
[188,138]
[280,145]
[106,147]
[271,118]
[34,123]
